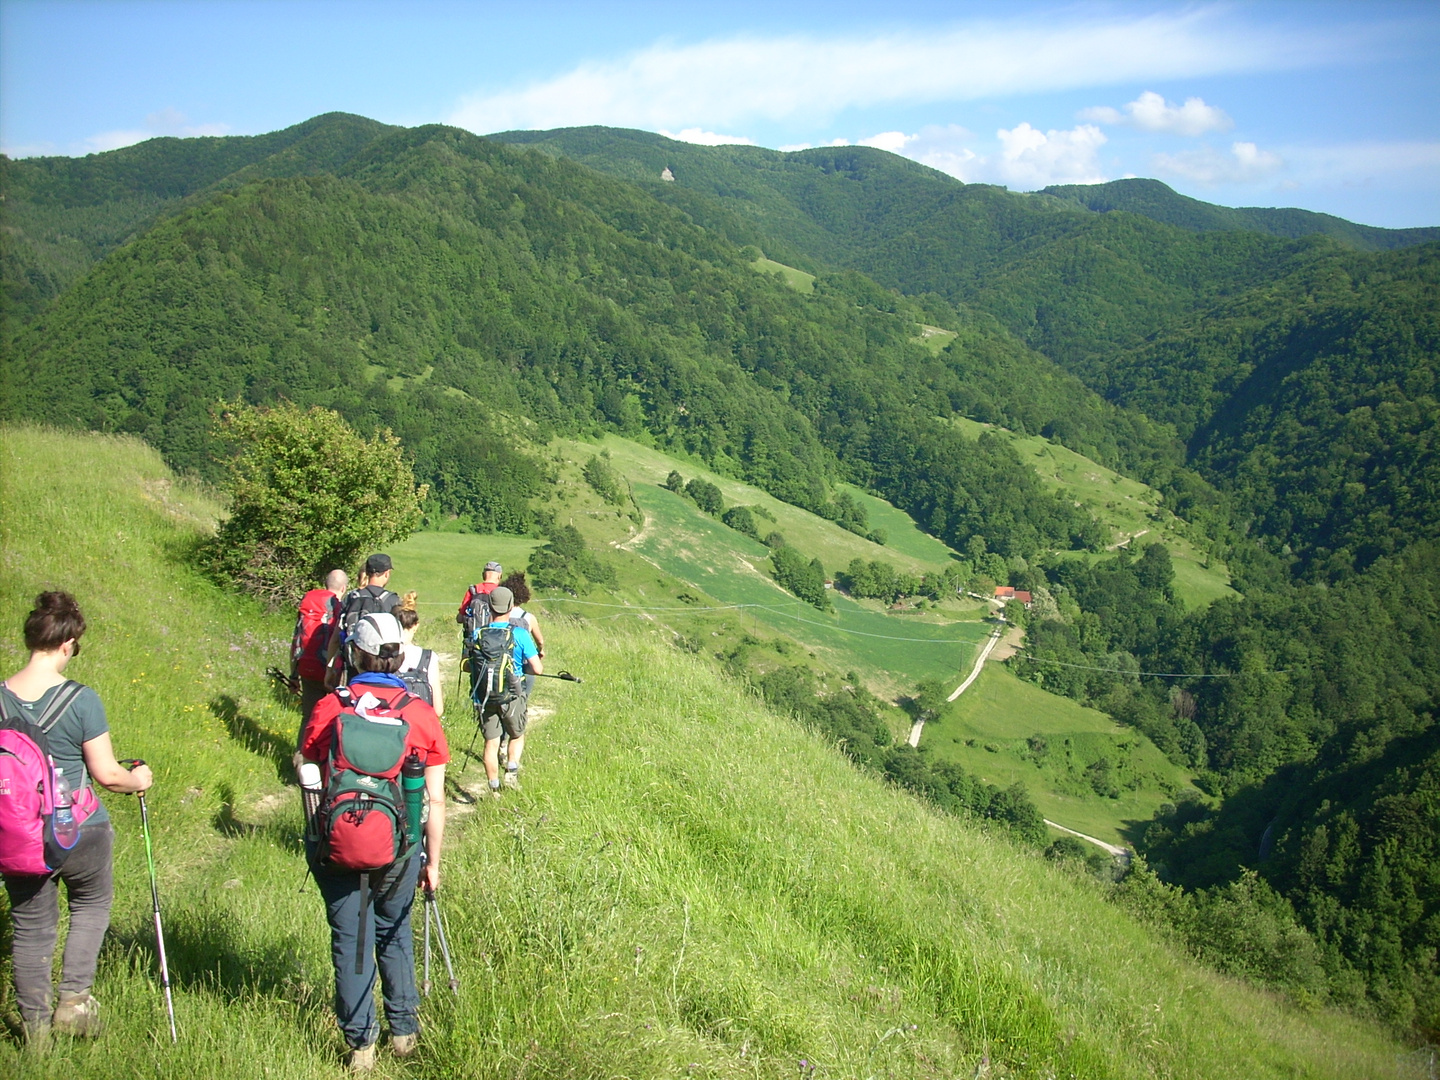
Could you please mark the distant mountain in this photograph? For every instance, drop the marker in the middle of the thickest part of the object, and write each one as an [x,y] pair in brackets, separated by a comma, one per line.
[1157,201]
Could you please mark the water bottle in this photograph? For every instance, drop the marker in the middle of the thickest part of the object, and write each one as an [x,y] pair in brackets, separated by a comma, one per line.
[310,792]
[412,784]
[63,824]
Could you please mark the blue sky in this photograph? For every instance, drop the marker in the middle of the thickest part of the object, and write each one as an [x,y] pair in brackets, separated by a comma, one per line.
[1328,106]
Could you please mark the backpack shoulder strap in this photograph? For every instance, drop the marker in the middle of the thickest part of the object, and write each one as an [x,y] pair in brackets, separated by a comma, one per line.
[424,664]
[68,692]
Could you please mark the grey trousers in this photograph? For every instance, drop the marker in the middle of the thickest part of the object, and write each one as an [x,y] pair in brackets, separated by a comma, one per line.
[35,911]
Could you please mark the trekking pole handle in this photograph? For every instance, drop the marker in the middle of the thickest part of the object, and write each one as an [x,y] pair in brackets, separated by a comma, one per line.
[130,763]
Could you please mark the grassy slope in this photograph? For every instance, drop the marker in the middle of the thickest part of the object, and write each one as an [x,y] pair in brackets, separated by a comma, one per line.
[699,897]
[1127,507]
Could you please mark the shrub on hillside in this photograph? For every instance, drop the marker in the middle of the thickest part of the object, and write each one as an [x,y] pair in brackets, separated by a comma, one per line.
[706,495]
[741,520]
[604,481]
[307,495]
[566,564]
[806,579]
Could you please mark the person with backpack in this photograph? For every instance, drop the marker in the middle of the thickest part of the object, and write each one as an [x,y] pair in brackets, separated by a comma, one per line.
[367,849]
[499,655]
[520,589]
[419,668]
[370,597]
[474,607]
[318,615]
[48,718]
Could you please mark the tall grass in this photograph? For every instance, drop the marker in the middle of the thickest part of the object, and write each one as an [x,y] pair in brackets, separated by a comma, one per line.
[688,886]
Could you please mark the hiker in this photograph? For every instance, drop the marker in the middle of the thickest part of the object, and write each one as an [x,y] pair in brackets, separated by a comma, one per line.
[468,616]
[370,597]
[520,589]
[419,668]
[318,615]
[368,909]
[78,739]
[503,711]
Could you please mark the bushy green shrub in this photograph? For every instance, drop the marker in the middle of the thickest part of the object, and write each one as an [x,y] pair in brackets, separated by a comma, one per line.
[307,495]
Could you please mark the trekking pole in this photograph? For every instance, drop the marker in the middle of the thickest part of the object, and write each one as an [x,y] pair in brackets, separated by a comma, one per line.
[430,902]
[280,677]
[558,675]
[155,902]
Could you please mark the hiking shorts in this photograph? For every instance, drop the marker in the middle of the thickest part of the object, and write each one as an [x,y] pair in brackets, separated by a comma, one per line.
[508,717]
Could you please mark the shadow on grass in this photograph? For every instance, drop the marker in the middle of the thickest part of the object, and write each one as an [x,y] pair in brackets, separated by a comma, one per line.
[254,736]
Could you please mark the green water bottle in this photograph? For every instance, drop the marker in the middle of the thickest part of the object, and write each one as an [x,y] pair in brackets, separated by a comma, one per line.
[412,786]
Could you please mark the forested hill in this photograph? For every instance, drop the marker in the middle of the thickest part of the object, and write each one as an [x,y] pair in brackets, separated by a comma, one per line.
[436,280]
[1160,202]
[61,215]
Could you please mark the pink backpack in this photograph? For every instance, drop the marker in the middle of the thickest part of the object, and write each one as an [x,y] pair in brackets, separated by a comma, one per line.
[28,844]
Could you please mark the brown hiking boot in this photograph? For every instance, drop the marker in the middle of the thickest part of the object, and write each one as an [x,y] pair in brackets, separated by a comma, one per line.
[78,1015]
[362,1059]
[404,1045]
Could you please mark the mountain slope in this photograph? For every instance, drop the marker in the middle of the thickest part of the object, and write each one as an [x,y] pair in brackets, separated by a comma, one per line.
[1152,199]
[683,902]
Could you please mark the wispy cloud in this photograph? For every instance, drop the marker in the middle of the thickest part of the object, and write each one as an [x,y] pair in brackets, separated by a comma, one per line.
[1151,112]
[1246,163]
[164,122]
[702,137]
[728,83]
[1026,158]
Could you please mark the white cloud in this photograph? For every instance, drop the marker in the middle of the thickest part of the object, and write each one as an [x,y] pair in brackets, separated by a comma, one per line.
[728,83]
[1032,159]
[893,141]
[1245,164]
[164,122]
[707,138]
[790,148]
[1151,112]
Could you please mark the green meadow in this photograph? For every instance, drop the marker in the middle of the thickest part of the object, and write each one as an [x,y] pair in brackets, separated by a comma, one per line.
[798,280]
[686,896]
[992,731]
[1129,508]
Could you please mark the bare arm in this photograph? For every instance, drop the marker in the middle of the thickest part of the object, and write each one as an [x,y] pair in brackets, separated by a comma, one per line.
[533,625]
[110,774]
[435,825]
[434,676]
[536,665]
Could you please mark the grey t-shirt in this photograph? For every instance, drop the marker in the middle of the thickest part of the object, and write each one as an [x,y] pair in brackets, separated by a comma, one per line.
[82,721]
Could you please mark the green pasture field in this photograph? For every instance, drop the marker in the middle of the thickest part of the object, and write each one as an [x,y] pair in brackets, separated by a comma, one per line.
[683,897]
[441,566]
[906,547]
[988,728]
[798,280]
[1129,508]
[935,339]
[733,569]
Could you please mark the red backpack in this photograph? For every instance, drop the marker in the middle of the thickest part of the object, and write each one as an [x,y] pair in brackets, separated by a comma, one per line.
[312,633]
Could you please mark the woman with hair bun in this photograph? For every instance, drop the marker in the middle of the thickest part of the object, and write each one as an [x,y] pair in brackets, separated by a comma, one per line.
[79,742]
[416,660]
[517,584]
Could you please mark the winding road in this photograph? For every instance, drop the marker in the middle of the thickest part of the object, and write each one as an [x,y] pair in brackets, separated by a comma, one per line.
[919,725]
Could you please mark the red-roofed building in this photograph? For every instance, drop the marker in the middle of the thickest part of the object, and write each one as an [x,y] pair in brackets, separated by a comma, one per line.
[1009,592]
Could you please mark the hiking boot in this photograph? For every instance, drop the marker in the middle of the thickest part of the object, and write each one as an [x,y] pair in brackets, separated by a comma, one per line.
[512,779]
[404,1045]
[78,1015]
[361,1059]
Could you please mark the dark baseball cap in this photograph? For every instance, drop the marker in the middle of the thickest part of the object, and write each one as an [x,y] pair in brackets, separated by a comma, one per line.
[494,568]
[378,564]
[502,600]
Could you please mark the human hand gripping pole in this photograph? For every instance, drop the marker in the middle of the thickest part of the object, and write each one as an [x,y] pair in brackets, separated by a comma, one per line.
[132,763]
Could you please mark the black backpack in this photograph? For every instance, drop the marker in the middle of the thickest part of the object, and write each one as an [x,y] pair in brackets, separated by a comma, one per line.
[417,679]
[359,603]
[492,665]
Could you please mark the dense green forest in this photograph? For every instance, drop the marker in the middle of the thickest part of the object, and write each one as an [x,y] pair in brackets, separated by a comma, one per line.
[1272,373]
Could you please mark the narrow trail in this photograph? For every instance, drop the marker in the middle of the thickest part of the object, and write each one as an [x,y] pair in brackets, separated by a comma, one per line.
[1118,852]
[919,726]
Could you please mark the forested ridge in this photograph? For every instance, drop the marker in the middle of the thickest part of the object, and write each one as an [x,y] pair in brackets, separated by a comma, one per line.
[475,297]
